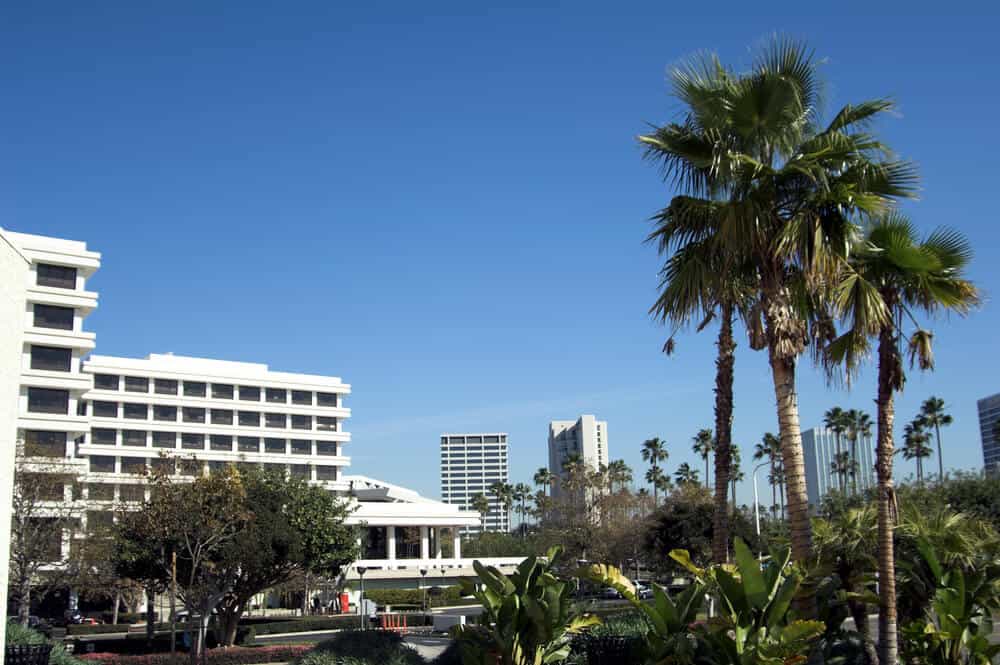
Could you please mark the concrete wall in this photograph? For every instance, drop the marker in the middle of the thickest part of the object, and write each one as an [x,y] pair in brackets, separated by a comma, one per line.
[13,273]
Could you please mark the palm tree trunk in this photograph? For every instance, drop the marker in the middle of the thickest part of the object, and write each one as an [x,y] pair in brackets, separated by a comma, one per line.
[937,437]
[774,490]
[799,525]
[655,502]
[723,435]
[854,465]
[887,378]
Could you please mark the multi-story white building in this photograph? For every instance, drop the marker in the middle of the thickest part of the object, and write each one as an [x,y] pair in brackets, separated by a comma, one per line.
[470,463]
[104,420]
[989,416]
[585,438]
[819,448]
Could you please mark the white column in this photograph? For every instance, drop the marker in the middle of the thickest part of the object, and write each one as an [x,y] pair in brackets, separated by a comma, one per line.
[425,545]
[437,541]
[458,542]
[390,546]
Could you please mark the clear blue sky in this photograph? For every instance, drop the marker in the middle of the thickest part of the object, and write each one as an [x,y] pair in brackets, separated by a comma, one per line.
[444,204]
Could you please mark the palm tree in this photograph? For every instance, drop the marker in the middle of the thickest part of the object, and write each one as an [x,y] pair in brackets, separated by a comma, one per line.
[841,465]
[861,428]
[933,413]
[835,421]
[619,474]
[916,445]
[521,493]
[654,451]
[736,474]
[857,423]
[481,505]
[891,273]
[686,475]
[769,447]
[704,444]
[543,478]
[504,494]
[769,186]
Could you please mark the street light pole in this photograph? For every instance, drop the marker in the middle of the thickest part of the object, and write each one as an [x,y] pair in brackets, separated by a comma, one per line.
[423,590]
[361,595]
[756,501]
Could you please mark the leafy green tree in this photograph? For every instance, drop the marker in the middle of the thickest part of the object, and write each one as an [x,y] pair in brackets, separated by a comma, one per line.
[654,451]
[933,413]
[504,495]
[892,272]
[775,189]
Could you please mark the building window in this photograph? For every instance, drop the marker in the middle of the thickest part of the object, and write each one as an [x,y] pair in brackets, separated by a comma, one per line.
[326,399]
[101,464]
[162,412]
[106,381]
[248,444]
[136,465]
[221,442]
[191,441]
[100,492]
[133,437]
[302,397]
[327,448]
[136,411]
[132,492]
[274,446]
[250,393]
[51,358]
[164,439]
[301,447]
[302,422]
[38,443]
[249,418]
[194,389]
[136,384]
[276,395]
[492,439]
[326,473]
[99,519]
[325,424]
[222,417]
[193,415]
[300,471]
[48,400]
[407,542]
[105,409]
[274,420]
[189,467]
[61,277]
[163,465]
[103,437]
[51,316]
[165,386]
[222,391]
[376,543]
[280,469]
[215,466]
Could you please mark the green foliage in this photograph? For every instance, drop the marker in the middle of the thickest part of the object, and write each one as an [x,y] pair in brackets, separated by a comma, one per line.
[528,618]
[959,621]
[367,647]
[490,544]
[974,494]
[21,636]
[436,596]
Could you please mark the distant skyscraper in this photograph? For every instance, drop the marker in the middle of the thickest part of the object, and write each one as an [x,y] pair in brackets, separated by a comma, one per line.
[585,437]
[470,463]
[989,415]
[819,447]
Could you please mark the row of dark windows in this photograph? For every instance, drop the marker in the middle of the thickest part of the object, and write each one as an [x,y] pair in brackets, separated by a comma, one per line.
[141,384]
[62,277]
[193,414]
[219,442]
[474,439]
[193,467]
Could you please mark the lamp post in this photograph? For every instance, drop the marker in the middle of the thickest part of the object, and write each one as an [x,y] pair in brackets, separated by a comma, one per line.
[423,590]
[361,595]
[756,502]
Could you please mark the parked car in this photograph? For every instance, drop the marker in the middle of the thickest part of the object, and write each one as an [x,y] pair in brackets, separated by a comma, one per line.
[610,593]
[643,591]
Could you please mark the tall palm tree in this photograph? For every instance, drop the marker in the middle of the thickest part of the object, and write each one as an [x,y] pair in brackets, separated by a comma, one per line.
[933,413]
[522,491]
[504,494]
[736,474]
[841,465]
[704,444]
[835,420]
[857,422]
[769,185]
[543,478]
[891,273]
[861,429]
[916,445]
[686,475]
[481,505]
[654,451]
[769,448]
[619,475]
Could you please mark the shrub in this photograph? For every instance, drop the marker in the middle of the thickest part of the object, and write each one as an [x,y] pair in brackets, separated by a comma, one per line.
[229,656]
[246,634]
[372,647]
[21,636]
[436,596]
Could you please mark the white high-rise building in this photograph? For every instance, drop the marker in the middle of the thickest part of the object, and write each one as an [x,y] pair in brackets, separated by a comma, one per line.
[470,463]
[819,448]
[585,438]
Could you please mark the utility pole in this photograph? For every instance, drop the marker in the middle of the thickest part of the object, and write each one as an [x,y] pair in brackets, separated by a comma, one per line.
[173,602]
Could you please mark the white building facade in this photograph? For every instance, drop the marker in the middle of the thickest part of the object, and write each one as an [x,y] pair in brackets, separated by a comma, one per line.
[819,448]
[585,438]
[470,463]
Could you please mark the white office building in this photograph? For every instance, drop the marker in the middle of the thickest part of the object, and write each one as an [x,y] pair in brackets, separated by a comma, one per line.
[106,419]
[819,448]
[470,463]
[585,438]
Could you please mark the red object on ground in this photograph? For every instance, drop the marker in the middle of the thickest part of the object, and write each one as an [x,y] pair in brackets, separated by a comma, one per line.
[345,603]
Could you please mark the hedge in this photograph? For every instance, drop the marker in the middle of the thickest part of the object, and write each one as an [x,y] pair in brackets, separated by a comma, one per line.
[278,653]
[436,596]
[103,628]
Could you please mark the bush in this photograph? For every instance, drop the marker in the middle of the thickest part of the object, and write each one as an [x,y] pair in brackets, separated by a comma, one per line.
[21,636]
[229,656]
[247,634]
[436,596]
[371,647]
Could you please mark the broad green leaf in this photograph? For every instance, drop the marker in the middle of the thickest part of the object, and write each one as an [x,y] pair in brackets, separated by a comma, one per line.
[753,581]
[684,559]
